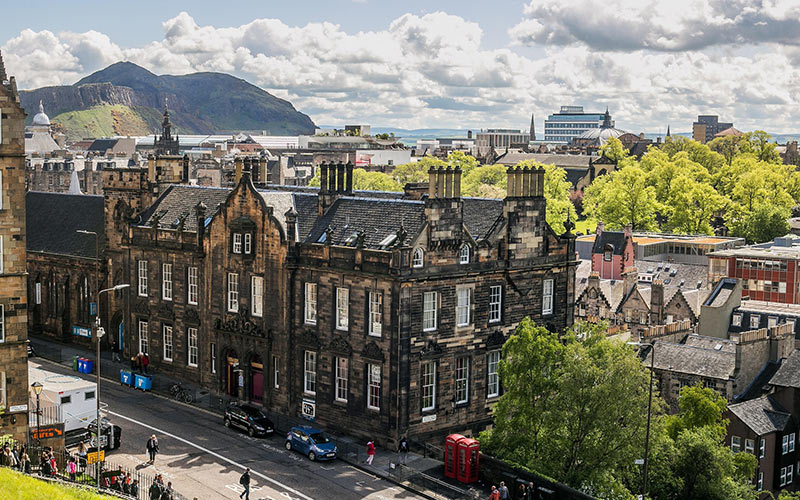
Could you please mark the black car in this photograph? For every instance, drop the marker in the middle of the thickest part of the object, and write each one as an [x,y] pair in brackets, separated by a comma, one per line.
[248,418]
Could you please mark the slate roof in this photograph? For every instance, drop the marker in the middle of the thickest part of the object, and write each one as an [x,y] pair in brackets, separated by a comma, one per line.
[760,384]
[615,238]
[52,219]
[102,145]
[788,374]
[692,360]
[280,202]
[480,215]
[763,415]
[40,142]
[574,175]
[180,200]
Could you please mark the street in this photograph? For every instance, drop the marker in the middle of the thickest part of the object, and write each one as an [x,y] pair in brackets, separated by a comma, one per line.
[203,459]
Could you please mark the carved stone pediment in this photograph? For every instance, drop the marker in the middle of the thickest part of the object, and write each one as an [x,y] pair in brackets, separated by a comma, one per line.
[373,351]
[308,338]
[496,339]
[240,324]
[142,307]
[191,317]
[340,345]
[165,311]
[432,350]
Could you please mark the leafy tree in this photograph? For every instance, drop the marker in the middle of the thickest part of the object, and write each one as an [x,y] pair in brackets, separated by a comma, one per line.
[691,206]
[729,146]
[697,152]
[622,197]
[366,181]
[613,150]
[764,223]
[488,181]
[760,144]
[416,171]
[561,413]
[462,160]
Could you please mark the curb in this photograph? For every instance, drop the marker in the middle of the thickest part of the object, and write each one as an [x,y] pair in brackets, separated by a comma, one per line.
[403,485]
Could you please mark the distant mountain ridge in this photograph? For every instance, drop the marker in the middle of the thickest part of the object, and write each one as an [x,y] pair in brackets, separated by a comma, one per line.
[130,100]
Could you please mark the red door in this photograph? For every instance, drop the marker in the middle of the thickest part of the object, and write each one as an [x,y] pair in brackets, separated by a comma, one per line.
[257,386]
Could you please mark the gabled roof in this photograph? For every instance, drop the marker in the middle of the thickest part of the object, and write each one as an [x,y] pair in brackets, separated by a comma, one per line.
[693,360]
[52,219]
[180,201]
[763,415]
[102,145]
[614,238]
[480,215]
[788,374]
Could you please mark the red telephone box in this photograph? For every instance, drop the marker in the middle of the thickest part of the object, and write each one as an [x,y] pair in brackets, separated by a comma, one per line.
[468,458]
[451,455]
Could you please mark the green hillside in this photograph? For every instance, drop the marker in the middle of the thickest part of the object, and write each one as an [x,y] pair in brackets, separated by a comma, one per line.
[16,486]
[104,121]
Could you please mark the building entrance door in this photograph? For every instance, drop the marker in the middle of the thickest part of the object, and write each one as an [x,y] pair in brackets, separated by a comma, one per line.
[232,375]
[256,379]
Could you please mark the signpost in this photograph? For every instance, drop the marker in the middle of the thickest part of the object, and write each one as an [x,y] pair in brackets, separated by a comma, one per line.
[96,456]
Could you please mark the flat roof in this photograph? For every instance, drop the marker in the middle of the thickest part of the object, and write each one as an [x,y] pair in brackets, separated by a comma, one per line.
[762,306]
[56,382]
[649,239]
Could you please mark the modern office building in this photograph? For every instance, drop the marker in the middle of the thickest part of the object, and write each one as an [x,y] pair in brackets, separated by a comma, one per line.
[570,122]
[707,126]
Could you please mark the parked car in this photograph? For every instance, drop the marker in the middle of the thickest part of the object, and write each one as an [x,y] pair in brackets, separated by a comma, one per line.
[313,443]
[248,418]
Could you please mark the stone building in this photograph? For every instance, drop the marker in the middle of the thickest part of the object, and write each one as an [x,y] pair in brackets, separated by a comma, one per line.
[370,313]
[14,390]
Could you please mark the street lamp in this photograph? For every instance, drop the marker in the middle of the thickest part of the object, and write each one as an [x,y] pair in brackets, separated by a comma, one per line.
[649,412]
[37,388]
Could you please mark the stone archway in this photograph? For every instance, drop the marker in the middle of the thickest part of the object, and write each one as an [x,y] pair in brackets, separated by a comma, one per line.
[230,383]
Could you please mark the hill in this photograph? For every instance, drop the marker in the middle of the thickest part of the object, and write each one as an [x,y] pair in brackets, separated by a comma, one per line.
[126,99]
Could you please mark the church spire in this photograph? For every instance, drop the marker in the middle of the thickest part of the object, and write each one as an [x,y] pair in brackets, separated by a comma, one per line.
[533,129]
[607,119]
[668,135]
[3,76]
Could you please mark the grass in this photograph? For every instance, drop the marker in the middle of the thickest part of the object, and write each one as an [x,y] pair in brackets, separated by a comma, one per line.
[16,486]
[582,225]
[102,121]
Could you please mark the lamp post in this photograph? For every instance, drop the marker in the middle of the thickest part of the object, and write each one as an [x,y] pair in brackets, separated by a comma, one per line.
[37,389]
[649,413]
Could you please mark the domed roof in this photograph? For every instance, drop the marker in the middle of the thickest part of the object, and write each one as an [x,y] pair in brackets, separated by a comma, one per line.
[41,119]
[602,134]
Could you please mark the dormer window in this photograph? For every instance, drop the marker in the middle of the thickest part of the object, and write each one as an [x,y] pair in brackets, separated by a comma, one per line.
[418,258]
[237,242]
[464,255]
[242,236]
[248,243]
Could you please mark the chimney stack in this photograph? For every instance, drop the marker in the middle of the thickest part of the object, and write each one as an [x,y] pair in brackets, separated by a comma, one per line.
[200,214]
[323,178]
[237,169]
[291,224]
[348,174]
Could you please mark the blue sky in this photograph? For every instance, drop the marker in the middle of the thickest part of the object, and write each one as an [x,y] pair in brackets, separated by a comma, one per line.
[453,64]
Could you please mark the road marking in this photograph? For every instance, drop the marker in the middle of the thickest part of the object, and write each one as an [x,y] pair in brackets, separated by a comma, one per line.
[217,455]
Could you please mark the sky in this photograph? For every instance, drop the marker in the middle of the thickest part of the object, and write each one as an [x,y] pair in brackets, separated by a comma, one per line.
[444,64]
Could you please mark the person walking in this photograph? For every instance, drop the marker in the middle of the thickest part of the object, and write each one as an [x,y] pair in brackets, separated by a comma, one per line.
[155,490]
[134,491]
[152,448]
[503,491]
[166,492]
[245,482]
[25,464]
[522,492]
[72,468]
[533,492]
[145,362]
[402,449]
[495,495]
[53,465]
[115,351]
[370,452]
[83,454]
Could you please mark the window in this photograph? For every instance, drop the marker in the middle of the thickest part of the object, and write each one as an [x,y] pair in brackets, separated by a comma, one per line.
[65,400]
[342,308]
[143,278]
[375,313]
[760,485]
[213,357]
[736,444]
[2,257]
[762,447]
[418,259]
[428,385]
[88,395]
[144,329]
[248,243]
[341,379]
[787,443]
[736,320]
[373,387]
[782,287]
[38,293]
[463,256]
[233,292]
[493,383]
[749,445]
[166,281]
[167,343]
[191,286]
[772,321]
[495,301]
[84,301]
[429,315]
[1,180]
[257,295]
[786,474]
[275,382]
[791,442]
[311,303]
[192,342]
[547,297]
[462,380]
[52,297]
[237,242]
[3,402]
[462,306]
[755,319]
[310,373]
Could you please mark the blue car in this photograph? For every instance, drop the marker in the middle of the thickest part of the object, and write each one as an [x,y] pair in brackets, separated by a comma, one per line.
[313,443]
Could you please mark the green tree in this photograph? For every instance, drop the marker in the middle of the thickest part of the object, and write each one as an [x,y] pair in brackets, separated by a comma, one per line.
[366,181]
[763,223]
[761,146]
[622,197]
[691,206]
[728,146]
[613,150]
[463,161]
[416,171]
[488,181]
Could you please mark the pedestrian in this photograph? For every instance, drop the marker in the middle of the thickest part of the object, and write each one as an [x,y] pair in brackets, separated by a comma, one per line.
[134,491]
[403,450]
[522,492]
[83,453]
[503,491]
[44,464]
[155,490]
[25,464]
[16,455]
[115,351]
[166,493]
[135,363]
[370,452]
[53,465]
[152,448]
[533,492]
[245,482]
[495,495]
[145,362]
[72,468]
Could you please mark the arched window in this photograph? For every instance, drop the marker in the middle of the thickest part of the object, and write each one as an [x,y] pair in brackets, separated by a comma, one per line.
[52,296]
[418,258]
[83,299]
[464,255]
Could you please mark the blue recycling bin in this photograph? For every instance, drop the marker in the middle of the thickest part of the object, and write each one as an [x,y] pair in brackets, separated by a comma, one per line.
[89,365]
[81,365]
[144,382]
[126,377]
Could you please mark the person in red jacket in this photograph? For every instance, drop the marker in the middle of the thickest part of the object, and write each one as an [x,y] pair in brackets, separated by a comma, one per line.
[495,494]
[145,362]
[370,452]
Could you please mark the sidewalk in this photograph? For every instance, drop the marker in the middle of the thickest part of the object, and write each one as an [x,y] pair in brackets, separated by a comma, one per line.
[422,475]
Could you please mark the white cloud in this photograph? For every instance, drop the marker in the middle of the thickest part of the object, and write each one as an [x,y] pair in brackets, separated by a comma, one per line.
[651,66]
